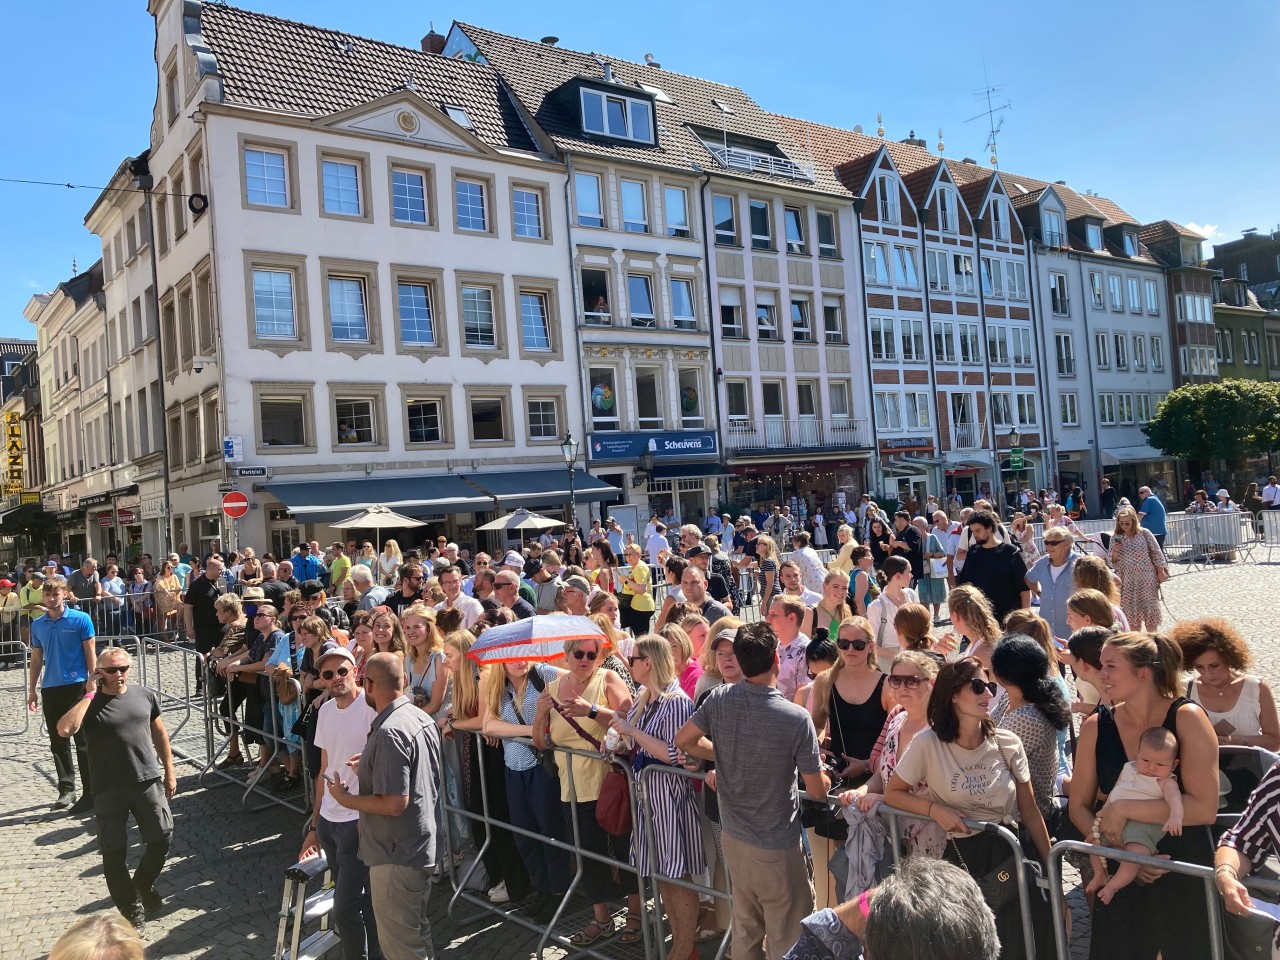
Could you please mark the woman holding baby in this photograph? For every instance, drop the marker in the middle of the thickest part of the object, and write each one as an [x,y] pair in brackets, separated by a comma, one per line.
[1140,675]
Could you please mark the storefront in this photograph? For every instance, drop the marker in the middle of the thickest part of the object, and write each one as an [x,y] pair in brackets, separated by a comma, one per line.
[909,470]
[661,471]
[806,487]
[1134,467]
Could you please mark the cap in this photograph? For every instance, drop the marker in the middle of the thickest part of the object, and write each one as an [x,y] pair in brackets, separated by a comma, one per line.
[252,593]
[51,563]
[1224,494]
[532,566]
[698,550]
[37,575]
[578,583]
[311,589]
[512,559]
[7,583]
[336,651]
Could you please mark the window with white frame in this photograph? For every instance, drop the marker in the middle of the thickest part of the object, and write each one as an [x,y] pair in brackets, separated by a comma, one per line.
[1157,354]
[1122,351]
[478,327]
[997,343]
[833,322]
[683,316]
[650,410]
[416,315]
[595,298]
[266,177]
[1107,409]
[1102,347]
[970,343]
[1153,300]
[913,340]
[992,278]
[676,201]
[408,196]
[1139,352]
[962,267]
[614,115]
[999,218]
[948,216]
[488,419]
[887,190]
[1020,338]
[1016,279]
[1051,225]
[1093,236]
[1135,302]
[690,381]
[1131,243]
[1273,350]
[938,268]
[635,206]
[801,323]
[586,192]
[274,314]
[725,211]
[944,341]
[838,402]
[1027,410]
[348,310]
[535,332]
[761,225]
[341,180]
[605,406]
[887,411]
[1124,407]
[527,213]
[737,397]
[1064,349]
[731,327]
[875,263]
[471,205]
[356,420]
[905,274]
[1255,348]
[883,338]
[1142,403]
[917,410]
[640,300]
[1068,410]
[1095,290]
[1002,409]
[766,317]
[793,221]
[1222,339]
[425,419]
[1117,292]
[828,238]
[543,418]
[1059,299]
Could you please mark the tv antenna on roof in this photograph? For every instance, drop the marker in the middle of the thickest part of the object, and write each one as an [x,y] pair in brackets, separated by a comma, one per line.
[991,94]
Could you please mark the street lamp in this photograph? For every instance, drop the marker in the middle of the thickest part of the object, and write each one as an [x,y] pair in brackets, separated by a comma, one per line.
[569,447]
[1015,438]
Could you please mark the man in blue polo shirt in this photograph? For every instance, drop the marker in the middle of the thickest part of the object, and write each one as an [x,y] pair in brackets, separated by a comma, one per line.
[62,644]
[1151,515]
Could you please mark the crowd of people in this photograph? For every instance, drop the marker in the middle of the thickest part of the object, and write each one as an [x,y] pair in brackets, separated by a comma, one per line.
[774,702]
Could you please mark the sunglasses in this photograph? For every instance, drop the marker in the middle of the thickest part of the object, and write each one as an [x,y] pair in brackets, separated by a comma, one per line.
[123,669]
[858,645]
[631,660]
[330,674]
[297,619]
[978,686]
[261,614]
[909,682]
[587,654]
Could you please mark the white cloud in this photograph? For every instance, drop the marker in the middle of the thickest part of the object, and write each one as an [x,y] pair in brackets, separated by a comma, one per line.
[1209,231]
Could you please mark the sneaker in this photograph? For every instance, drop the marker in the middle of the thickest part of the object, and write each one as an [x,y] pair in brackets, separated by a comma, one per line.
[499,894]
[65,799]
[81,807]
[138,917]
[151,901]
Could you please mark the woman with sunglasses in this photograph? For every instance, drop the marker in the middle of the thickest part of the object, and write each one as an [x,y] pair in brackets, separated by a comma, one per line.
[675,847]
[910,684]
[574,712]
[820,655]
[972,769]
[851,702]
[1141,566]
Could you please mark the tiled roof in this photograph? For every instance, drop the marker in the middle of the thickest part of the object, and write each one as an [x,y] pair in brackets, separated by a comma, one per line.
[298,69]
[1165,230]
[542,76]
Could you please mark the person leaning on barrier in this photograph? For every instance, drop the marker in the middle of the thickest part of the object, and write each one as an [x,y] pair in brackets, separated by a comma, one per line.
[399,773]
[100,936]
[248,668]
[231,615]
[1244,848]
[132,763]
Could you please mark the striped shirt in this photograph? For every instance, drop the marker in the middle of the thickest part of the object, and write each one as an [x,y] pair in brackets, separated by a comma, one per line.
[1257,833]
[516,755]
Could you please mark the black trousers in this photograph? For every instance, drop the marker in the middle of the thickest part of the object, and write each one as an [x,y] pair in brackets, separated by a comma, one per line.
[637,621]
[56,701]
[150,810]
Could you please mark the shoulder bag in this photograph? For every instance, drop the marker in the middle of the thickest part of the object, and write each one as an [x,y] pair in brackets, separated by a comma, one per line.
[999,885]
[613,808]
[547,758]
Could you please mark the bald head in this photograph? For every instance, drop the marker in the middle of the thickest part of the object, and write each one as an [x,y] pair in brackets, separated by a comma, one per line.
[387,671]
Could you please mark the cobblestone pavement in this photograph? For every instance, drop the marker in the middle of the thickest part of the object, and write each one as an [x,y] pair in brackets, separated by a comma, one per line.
[224,878]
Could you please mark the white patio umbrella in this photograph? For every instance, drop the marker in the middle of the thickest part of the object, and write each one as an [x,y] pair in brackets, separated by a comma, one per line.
[521,519]
[377,517]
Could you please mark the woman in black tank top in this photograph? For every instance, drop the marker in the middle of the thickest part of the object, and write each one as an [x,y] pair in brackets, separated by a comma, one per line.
[853,718]
[1166,917]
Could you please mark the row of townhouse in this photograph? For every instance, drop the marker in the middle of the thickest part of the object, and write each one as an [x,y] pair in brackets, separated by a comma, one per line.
[346,272]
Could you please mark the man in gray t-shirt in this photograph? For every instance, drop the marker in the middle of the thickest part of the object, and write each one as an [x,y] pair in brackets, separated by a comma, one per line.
[759,741]
[399,774]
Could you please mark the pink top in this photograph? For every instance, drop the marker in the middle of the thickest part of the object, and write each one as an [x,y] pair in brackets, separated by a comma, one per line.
[689,678]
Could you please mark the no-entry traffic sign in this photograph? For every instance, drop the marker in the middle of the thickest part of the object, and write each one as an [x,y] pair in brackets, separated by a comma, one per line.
[235,505]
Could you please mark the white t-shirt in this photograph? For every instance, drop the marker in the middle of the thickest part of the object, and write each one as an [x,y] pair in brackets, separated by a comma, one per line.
[342,733]
[654,545]
[469,606]
[978,784]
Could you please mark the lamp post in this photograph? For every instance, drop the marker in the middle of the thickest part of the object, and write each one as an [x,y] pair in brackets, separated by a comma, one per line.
[1015,441]
[569,447]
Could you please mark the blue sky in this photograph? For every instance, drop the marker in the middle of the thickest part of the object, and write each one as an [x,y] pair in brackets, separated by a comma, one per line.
[1168,108]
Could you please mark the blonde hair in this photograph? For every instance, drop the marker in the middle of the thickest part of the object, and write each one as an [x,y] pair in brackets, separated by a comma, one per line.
[390,548]
[612,634]
[1094,605]
[598,600]
[1126,513]
[820,695]
[707,658]
[921,661]
[1092,573]
[1030,624]
[662,669]
[1155,652]
[466,690]
[768,542]
[494,684]
[100,936]
[678,637]
[428,616]
[230,601]
[975,609]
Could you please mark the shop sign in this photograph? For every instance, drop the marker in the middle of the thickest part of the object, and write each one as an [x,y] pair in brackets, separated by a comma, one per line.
[907,443]
[773,469]
[94,499]
[64,515]
[133,502]
[606,447]
[13,439]
[25,499]
[52,502]
[106,519]
[153,508]
[126,518]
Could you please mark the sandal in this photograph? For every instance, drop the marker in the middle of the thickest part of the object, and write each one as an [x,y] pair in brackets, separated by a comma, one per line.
[233,760]
[604,929]
[632,934]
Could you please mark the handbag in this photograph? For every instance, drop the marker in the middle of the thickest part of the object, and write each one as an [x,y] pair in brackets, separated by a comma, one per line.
[546,758]
[286,688]
[301,725]
[999,885]
[613,807]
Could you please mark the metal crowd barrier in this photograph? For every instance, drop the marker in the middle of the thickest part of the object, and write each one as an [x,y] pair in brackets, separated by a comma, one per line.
[122,616]
[1205,873]
[15,718]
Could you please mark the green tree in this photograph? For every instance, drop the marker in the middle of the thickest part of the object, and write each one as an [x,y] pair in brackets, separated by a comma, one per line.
[1229,421]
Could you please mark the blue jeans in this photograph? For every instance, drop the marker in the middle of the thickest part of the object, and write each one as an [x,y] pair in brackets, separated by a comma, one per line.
[534,800]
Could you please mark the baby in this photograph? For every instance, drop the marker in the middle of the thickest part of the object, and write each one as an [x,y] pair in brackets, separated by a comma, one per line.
[1150,777]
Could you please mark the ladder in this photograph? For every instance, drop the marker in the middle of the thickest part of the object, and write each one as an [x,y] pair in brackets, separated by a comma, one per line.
[298,909]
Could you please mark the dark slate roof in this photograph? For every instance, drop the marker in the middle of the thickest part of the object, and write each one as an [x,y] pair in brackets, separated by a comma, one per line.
[83,285]
[294,68]
[544,78]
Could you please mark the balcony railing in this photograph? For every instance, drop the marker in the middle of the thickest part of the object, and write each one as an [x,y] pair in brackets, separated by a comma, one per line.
[592,319]
[968,436]
[751,436]
[752,162]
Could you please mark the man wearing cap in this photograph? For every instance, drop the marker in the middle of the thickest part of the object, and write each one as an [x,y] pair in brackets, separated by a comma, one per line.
[342,726]
[10,605]
[575,591]
[506,590]
[700,556]
[515,562]
[454,599]
[309,564]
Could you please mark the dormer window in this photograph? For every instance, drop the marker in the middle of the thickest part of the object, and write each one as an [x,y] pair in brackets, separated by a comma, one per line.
[1130,244]
[614,115]
[1051,223]
[947,220]
[999,219]
[1093,235]
[458,115]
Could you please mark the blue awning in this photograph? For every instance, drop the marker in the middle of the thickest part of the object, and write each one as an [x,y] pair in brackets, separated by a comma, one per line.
[535,488]
[321,501]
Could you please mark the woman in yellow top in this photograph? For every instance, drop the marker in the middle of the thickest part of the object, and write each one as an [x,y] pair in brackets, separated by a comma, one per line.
[636,611]
[591,696]
[168,598]
[843,561]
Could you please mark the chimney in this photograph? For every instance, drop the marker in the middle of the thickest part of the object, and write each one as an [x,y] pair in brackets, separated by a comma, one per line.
[433,42]
[912,140]
[550,41]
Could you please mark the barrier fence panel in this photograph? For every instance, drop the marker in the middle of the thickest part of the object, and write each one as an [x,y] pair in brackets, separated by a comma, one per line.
[15,667]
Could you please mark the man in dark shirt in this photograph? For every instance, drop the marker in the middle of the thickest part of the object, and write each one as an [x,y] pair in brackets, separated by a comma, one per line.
[199,615]
[409,589]
[905,541]
[506,590]
[1107,499]
[132,765]
[997,569]
[700,556]
[273,588]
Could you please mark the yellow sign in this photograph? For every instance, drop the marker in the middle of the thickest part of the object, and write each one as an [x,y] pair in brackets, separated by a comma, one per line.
[13,437]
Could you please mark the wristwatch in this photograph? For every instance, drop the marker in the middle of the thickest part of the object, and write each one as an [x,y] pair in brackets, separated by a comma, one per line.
[593,711]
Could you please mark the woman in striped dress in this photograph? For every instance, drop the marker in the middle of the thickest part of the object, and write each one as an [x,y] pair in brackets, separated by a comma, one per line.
[674,848]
